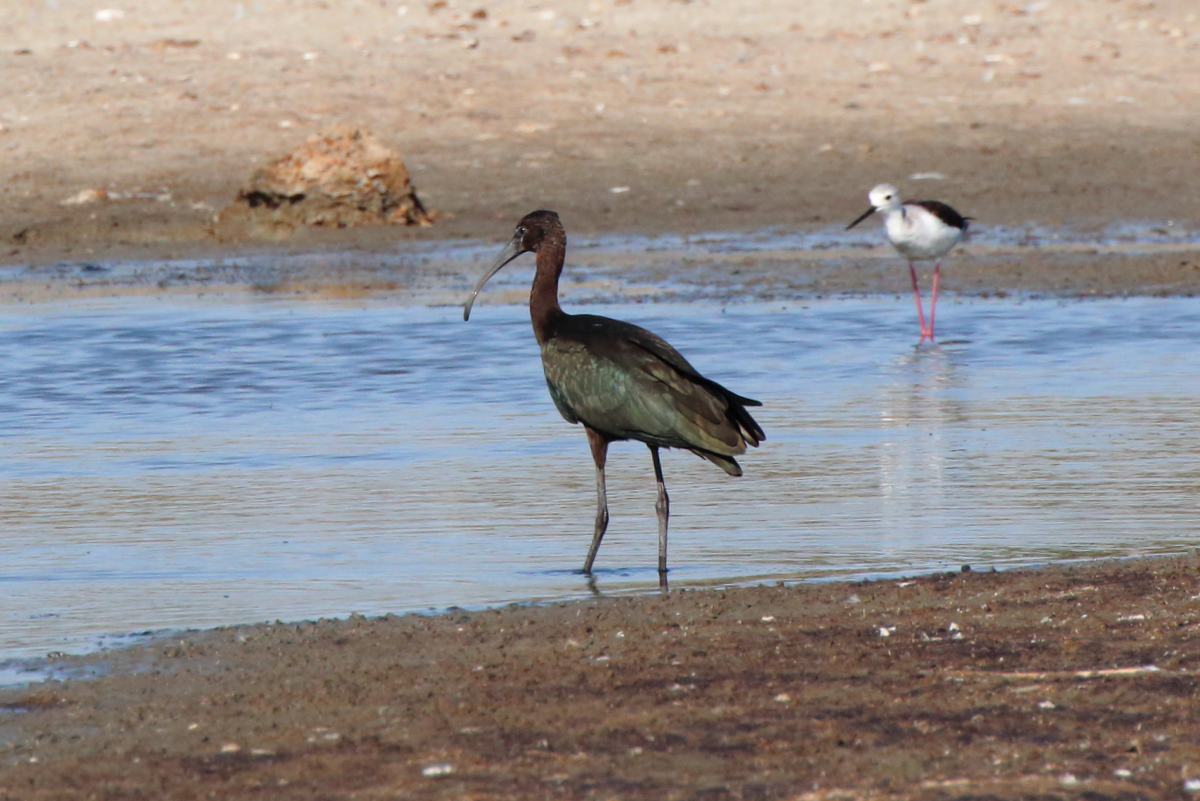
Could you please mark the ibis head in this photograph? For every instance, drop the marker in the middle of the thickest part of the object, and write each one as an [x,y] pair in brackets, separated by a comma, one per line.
[531,231]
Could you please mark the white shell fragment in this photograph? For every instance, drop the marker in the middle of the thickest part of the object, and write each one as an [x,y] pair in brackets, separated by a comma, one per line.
[84,196]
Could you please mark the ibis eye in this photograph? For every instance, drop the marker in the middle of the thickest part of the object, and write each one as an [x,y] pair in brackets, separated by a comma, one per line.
[521,232]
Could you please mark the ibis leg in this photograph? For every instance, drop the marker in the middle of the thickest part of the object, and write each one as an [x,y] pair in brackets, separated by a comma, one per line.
[917,298]
[663,507]
[937,271]
[599,445]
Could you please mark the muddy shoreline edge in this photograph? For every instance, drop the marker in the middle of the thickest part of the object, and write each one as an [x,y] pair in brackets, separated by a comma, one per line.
[1067,681]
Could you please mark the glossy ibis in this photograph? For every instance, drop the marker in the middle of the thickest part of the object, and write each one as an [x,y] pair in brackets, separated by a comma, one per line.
[621,381]
[920,230]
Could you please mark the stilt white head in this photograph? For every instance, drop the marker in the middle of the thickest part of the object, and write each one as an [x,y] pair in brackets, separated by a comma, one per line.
[884,197]
[920,230]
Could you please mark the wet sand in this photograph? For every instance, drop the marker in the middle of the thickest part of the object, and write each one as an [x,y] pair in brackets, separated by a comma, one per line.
[618,274]
[1068,682]
[716,117]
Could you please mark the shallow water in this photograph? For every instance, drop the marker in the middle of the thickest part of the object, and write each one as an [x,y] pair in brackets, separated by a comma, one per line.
[173,464]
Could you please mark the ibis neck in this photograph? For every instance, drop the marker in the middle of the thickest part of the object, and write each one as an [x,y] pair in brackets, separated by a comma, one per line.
[543,297]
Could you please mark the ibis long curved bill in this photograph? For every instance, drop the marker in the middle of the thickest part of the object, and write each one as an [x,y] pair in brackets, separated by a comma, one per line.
[510,252]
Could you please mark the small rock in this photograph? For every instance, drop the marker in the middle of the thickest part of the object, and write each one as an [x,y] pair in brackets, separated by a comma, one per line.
[230,748]
[165,44]
[442,769]
[343,177]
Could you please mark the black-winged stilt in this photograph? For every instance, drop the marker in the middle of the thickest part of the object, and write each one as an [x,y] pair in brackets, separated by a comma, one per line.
[920,230]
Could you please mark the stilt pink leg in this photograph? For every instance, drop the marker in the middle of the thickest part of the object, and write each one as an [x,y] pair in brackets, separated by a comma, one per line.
[937,271]
[917,298]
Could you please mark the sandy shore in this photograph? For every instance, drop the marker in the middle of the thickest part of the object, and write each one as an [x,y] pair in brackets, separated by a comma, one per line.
[1063,683]
[715,117]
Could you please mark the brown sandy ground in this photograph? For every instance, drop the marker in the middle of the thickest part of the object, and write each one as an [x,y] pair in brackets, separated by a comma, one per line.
[1068,682]
[716,115]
